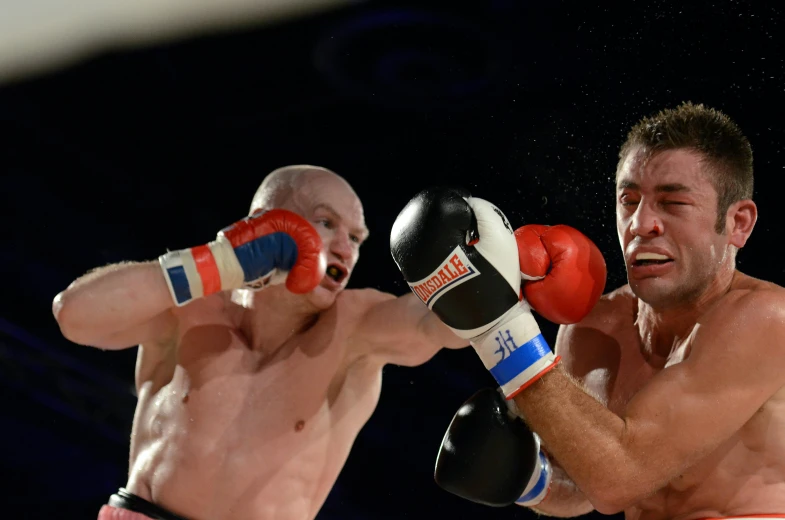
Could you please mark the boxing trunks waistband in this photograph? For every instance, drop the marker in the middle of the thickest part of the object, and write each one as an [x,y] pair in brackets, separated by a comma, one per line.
[124,501]
[771,516]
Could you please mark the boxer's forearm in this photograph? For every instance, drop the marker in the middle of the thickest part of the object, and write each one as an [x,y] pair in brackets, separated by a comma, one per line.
[564,499]
[111,300]
[437,332]
[585,437]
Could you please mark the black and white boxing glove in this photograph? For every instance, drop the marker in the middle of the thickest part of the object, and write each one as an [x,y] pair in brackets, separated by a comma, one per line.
[460,257]
[489,455]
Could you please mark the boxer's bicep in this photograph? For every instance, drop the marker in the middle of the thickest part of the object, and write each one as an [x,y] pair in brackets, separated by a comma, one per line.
[116,306]
[590,354]
[737,363]
[158,329]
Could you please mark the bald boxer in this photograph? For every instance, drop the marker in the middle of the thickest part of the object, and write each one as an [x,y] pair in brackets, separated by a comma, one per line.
[669,399]
[256,369]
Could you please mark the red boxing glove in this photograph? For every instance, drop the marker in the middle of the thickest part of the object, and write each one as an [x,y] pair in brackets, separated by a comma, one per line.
[297,252]
[263,249]
[568,269]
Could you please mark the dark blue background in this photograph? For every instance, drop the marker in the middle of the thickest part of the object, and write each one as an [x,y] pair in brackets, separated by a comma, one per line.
[525,103]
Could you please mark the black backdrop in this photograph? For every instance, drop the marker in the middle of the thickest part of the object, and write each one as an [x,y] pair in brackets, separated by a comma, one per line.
[129,153]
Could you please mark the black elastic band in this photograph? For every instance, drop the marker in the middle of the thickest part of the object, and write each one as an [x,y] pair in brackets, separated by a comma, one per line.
[126,500]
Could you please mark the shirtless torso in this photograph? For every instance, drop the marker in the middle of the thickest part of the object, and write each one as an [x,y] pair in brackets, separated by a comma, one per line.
[746,473]
[249,401]
[222,430]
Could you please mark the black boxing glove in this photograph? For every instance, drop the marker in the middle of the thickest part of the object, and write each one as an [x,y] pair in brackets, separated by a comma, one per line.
[460,257]
[489,455]
[468,283]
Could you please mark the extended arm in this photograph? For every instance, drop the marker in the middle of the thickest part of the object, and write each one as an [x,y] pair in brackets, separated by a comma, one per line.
[591,356]
[404,332]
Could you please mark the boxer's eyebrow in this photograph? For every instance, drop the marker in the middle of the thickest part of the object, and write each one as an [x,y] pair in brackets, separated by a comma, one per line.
[674,187]
[671,188]
[362,232]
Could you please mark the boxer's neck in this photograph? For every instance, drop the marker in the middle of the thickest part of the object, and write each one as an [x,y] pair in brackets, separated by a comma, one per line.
[661,330]
[274,316]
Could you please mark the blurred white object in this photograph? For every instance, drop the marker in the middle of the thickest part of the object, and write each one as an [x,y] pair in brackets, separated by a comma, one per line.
[37,35]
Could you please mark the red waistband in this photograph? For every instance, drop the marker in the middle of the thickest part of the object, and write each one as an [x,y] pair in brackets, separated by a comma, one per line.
[108,512]
[742,517]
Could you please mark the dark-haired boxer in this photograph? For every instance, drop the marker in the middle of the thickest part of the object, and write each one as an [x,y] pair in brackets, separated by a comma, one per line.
[669,399]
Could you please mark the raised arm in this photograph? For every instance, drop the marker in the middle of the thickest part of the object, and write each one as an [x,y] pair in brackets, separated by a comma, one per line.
[590,354]
[122,305]
[684,412]
[116,306]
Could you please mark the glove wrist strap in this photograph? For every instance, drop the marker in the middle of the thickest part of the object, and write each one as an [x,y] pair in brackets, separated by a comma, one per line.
[201,271]
[514,351]
[540,483]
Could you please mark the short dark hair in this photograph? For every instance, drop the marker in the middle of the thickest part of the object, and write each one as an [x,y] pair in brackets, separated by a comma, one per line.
[726,151]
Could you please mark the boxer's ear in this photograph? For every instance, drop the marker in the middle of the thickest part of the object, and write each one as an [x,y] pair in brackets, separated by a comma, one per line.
[739,221]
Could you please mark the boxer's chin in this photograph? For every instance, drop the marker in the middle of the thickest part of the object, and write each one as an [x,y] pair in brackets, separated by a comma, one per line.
[322,298]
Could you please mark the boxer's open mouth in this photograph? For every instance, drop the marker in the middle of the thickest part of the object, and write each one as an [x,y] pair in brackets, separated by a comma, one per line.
[336,272]
[650,259]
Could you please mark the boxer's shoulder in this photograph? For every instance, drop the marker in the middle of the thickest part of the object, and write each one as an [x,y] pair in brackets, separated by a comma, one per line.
[751,300]
[746,285]
[359,301]
[614,311]
[597,340]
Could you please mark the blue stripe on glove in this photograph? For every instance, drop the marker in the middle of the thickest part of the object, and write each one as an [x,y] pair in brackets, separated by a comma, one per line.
[261,255]
[519,359]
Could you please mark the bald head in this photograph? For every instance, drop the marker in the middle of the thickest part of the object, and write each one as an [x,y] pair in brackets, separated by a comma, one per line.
[281,185]
[326,201]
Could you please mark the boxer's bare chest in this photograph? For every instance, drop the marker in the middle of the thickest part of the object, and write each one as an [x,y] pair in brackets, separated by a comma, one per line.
[626,361]
[638,365]
[214,415]
[725,472]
